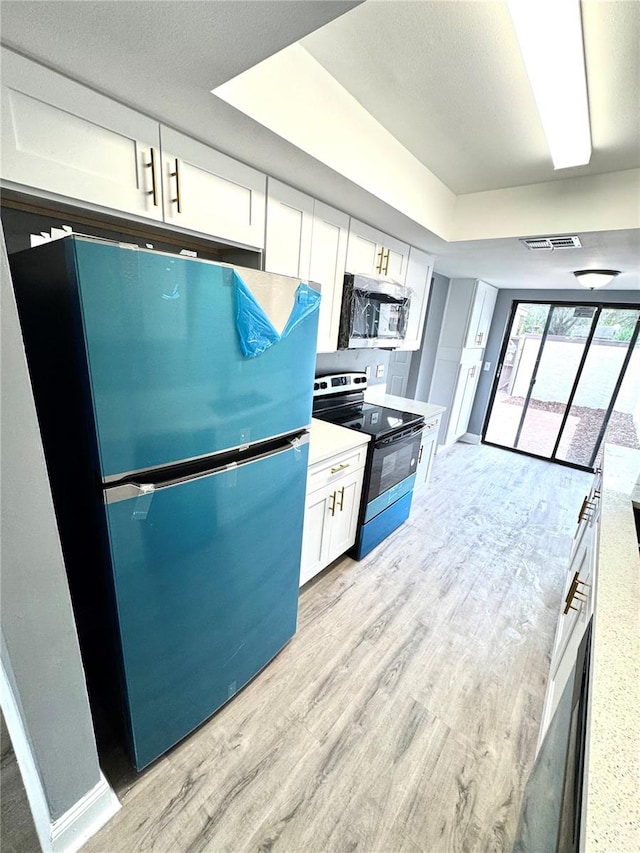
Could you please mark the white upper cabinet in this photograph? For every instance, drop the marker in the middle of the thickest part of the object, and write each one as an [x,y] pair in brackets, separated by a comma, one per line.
[328,258]
[374,253]
[207,191]
[481,313]
[62,138]
[419,270]
[468,314]
[289,228]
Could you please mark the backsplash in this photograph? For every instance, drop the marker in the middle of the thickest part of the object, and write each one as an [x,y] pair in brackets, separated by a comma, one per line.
[353,359]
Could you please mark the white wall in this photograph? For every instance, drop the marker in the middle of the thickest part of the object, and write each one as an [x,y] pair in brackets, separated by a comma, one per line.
[594,203]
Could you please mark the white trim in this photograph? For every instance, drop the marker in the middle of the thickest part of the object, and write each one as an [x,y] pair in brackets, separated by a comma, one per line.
[470,438]
[84,818]
[26,763]
[74,828]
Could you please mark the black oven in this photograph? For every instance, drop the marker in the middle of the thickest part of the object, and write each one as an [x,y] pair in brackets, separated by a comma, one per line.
[393,459]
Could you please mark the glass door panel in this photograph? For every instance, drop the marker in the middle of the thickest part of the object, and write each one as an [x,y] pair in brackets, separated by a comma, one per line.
[569,382]
[563,347]
[595,392]
[523,348]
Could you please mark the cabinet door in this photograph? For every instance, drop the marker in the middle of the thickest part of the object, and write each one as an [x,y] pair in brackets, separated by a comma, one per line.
[579,613]
[328,259]
[418,278]
[315,536]
[486,312]
[289,228]
[463,399]
[208,192]
[427,452]
[395,259]
[374,253]
[364,252]
[345,516]
[65,139]
[481,312]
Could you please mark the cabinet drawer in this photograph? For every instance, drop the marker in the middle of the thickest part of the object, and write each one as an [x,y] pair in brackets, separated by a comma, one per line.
[325,472]
[432,424]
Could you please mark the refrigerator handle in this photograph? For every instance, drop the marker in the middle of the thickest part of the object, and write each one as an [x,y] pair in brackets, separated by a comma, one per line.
[127,491]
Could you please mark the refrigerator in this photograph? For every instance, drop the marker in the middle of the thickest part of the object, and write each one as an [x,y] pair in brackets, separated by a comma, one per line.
[174,399]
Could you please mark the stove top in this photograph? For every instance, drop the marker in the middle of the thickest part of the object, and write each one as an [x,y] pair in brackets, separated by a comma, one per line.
[375,420]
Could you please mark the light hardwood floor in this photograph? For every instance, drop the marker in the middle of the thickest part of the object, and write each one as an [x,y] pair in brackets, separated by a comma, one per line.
[403,715]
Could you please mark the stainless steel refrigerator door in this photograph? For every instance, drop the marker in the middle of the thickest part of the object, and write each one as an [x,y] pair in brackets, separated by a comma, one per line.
[168,380]
[206,589]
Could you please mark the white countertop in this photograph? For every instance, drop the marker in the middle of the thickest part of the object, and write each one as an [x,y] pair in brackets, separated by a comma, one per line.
[417,407]
[613,778]
[327,439]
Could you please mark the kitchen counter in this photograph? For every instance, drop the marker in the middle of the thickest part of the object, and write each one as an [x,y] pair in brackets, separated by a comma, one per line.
[372,395]
[613,776]
[327,439]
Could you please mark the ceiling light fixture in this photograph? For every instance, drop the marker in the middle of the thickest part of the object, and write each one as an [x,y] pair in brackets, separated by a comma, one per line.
[595,278]
[550,36]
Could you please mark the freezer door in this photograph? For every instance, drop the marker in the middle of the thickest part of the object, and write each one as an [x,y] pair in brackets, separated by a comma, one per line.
[206,588]
[168,380]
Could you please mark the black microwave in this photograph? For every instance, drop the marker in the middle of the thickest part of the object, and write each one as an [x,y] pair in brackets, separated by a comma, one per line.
[374,312]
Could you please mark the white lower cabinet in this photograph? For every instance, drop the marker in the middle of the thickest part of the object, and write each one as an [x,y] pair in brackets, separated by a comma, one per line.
[427,451]
[577,605]
[454,384]
[334,488]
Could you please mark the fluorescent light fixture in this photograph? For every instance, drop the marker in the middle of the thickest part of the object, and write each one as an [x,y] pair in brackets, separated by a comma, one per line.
[550,36]
[595,278]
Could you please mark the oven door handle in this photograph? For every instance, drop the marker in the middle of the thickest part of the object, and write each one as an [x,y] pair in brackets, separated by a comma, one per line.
[392,439]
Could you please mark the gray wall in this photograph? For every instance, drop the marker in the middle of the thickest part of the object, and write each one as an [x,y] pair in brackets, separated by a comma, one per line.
[40,646]
[499,323]
[423,361]
[355,359]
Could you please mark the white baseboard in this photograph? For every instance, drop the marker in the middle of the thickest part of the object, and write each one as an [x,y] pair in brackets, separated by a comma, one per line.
[74,828]
[84,818]
[470,438]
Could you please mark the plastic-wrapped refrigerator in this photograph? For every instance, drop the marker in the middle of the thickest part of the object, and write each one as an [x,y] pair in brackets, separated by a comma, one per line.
[174,398]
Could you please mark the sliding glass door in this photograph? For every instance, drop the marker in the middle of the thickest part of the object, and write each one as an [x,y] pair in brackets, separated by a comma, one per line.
[569,375]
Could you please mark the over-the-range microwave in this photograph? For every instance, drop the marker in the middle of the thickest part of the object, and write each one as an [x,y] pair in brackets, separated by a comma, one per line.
[374,312]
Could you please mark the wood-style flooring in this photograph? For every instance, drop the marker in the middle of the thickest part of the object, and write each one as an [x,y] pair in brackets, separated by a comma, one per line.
[403,716]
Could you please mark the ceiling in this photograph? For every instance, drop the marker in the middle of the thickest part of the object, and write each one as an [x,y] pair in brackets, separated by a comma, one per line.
[444,78]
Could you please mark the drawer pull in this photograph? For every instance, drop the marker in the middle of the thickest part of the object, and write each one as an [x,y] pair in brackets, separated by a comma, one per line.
[340,506]
[332,505]
[583,507]
[573,591]
[340,467]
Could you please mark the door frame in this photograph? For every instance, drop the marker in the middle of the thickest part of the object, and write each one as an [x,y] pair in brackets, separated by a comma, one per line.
[599,306]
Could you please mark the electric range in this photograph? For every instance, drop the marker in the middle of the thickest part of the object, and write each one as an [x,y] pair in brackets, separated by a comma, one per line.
[392,454]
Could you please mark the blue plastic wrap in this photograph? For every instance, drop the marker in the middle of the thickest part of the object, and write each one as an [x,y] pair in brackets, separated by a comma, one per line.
[255,330]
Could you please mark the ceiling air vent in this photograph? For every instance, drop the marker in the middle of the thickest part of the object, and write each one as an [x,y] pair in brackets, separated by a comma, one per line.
[548,244]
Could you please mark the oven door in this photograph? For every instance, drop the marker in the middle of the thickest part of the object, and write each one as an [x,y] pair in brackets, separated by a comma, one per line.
[393,460]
